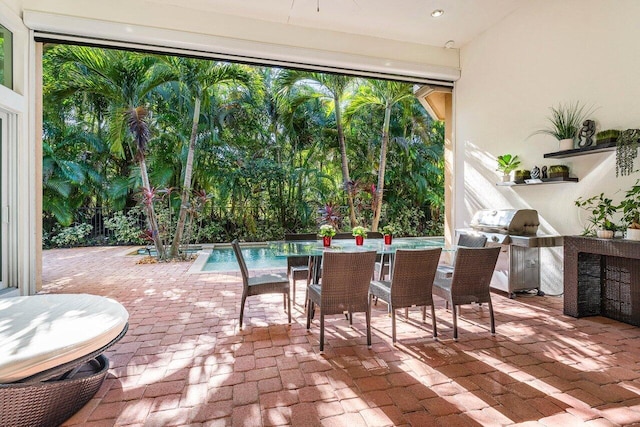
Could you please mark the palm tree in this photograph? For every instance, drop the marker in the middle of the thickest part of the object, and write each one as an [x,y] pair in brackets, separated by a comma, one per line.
[136,119]
[383,94]
[304,125]
[116,80]
[72,168]
[332,89]
[200,79]
[124,82]
[62,183]
[124,79]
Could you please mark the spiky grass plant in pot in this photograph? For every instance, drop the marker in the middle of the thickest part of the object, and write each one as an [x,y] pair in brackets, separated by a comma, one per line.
[565,122]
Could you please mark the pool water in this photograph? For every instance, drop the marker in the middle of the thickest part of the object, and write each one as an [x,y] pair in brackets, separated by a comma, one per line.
[223,259]
[270,257]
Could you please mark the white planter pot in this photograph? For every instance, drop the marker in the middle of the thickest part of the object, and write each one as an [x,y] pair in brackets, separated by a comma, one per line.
[566,144]
[605,234]
[633,234]
[506,178]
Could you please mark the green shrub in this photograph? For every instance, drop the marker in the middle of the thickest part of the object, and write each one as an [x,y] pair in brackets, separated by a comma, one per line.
[72,236]
[126,228]
[264,232]
[409,222]
[210,233]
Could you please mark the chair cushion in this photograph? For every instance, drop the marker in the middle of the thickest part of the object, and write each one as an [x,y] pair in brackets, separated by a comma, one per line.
[314,294]
[44,331]
[268,278]
[444,272]
[299,272]
[268,284]
[380,289]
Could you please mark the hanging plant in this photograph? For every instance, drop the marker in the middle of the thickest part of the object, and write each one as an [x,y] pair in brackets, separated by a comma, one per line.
[626,151]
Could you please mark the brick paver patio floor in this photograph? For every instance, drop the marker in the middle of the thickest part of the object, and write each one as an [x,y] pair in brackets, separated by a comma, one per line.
[185,362]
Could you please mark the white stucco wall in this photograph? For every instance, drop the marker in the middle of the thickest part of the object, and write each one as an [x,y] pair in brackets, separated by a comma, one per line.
[19,165]
[545,53]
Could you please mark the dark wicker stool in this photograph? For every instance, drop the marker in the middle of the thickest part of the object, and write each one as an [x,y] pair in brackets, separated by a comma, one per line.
[52,402]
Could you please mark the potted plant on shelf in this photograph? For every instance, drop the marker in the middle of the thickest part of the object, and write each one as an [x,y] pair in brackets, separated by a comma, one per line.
[327,231]
[626,151]
[519,175]
[564,123]
[558,171]
[506,164]
[602,210]
[607,136]
[387,232]
[631,211]
[359,233]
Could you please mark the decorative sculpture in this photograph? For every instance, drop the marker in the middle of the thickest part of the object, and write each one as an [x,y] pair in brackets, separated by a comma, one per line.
[535,173]
[544,172]
[586,133]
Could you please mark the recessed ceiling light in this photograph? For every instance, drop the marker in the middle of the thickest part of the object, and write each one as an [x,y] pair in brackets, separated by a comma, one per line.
[437,13]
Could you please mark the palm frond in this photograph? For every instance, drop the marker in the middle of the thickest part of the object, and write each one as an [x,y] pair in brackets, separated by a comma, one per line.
[136,119]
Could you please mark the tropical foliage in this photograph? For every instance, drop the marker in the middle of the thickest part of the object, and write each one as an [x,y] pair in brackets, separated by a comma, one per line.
[210,151]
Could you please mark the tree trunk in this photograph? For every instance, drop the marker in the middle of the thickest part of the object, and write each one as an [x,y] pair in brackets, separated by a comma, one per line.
[151,215]
[186,186]
[346,180]
[381,169]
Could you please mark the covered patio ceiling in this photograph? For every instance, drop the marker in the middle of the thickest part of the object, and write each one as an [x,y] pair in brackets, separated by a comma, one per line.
[406,20]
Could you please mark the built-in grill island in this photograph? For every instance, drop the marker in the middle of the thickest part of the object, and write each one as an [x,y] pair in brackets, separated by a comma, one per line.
[516,230]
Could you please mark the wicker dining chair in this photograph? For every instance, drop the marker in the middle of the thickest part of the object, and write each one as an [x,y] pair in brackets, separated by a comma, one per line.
[470,281]
[345,288]
[273,283]
[410,284]
[465,240]
[381,268]
[298,266]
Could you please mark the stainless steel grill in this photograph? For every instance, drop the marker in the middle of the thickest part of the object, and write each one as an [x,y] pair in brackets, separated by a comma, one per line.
[516,230]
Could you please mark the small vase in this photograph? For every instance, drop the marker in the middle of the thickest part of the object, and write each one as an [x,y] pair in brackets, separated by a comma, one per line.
[326,241]
[605,234]
[566,144]
[387,239]
[359,240]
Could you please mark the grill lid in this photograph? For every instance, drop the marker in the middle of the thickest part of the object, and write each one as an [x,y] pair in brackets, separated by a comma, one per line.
[506,221]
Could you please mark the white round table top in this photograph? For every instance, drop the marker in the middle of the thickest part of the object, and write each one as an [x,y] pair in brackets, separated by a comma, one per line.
[41,332]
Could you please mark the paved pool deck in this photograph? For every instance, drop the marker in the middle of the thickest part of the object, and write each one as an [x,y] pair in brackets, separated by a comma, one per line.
[185,362]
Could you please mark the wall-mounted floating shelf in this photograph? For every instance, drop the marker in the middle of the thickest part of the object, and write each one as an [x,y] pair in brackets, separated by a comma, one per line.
[582,151]
[537,181]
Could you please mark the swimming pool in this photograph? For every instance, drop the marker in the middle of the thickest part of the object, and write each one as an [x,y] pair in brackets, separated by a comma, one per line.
[269,256]
[223,259]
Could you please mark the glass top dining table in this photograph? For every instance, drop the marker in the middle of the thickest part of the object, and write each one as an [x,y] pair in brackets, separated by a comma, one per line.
[315,248]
